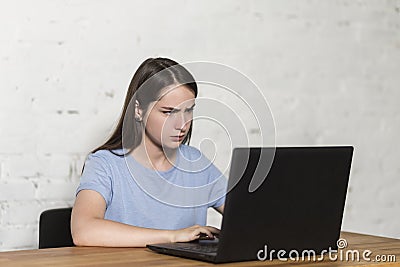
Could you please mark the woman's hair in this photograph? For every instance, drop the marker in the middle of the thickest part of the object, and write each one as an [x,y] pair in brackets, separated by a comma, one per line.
[153,75]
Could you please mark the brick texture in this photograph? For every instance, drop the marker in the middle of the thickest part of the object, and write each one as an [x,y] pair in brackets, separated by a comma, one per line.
[329,70]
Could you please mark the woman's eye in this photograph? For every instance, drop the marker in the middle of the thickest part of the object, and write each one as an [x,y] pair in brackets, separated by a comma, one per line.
[168,112]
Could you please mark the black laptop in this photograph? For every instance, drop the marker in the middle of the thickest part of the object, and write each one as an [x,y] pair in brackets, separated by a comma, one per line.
[297,205]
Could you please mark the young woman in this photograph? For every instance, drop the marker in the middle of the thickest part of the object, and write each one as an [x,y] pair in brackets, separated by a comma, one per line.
[144,185]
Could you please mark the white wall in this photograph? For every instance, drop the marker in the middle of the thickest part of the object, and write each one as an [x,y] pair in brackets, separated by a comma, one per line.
[329,69]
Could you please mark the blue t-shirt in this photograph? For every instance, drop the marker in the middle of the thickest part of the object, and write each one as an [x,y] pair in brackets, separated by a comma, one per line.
[139,196]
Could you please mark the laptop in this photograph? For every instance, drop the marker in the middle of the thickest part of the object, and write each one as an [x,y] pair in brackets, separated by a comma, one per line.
[298,205]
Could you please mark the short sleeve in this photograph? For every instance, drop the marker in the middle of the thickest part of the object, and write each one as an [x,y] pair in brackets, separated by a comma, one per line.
[96,176]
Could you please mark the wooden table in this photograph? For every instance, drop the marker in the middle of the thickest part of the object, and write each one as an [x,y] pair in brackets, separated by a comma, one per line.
[100,256]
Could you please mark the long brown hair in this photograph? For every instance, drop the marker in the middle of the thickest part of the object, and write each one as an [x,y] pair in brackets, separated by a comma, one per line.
[128,133]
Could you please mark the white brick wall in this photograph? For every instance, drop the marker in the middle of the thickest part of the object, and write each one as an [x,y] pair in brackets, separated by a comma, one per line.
[328,68]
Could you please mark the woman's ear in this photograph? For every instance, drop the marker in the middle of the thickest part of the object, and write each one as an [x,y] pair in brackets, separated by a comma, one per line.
[138,111]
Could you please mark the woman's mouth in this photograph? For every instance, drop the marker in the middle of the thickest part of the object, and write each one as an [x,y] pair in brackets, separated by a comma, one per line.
[178,138]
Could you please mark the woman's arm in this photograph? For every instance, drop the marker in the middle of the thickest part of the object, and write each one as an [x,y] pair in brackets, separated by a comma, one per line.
[89,228]
[220,209]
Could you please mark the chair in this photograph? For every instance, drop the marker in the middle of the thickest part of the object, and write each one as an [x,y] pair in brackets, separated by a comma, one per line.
[55,228]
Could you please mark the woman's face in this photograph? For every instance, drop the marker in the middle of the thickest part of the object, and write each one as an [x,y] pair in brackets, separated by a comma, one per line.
[167,121]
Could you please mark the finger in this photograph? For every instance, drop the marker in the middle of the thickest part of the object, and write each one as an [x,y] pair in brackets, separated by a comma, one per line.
[198,234]
[213,229]
[206,231]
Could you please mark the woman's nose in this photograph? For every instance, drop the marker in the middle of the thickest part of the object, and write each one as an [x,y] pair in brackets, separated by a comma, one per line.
[182,123]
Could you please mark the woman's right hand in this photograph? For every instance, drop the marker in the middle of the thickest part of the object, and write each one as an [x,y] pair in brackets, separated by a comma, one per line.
[193,232]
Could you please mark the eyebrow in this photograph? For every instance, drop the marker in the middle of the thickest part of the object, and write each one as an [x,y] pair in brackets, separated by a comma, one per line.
[177,109]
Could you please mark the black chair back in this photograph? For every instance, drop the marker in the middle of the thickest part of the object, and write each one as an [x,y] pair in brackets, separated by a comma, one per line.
[55,228]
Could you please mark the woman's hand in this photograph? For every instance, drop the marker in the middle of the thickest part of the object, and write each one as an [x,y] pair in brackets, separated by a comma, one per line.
[193,232]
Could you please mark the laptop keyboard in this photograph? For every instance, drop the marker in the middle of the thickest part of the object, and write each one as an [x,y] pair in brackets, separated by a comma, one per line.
[198,247]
